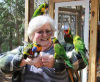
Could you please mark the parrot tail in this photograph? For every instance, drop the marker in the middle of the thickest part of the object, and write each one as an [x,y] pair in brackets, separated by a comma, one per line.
[69,64]
[84,58]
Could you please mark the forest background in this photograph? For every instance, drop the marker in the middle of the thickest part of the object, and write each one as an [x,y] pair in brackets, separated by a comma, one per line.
[12,17]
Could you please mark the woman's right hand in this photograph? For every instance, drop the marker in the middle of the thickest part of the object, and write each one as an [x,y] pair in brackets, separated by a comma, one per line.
[37,62]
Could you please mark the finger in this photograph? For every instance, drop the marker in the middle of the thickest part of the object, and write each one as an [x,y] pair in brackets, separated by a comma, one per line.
[45,64]
[44,60]
[41,63]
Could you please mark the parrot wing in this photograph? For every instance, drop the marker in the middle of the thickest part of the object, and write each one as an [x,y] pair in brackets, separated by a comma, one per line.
[60,53]
[40,10]
[59,50]
[80,48]
[27,48]
[36,13]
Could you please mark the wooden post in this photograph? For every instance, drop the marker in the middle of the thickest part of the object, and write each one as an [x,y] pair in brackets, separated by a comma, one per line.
[29,9]
[93,40]
[26,19]
[51,8]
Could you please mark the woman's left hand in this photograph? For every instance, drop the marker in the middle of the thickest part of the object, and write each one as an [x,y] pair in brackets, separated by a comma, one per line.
[48,60]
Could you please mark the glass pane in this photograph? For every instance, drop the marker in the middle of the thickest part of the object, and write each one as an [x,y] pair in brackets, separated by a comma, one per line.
[71,17]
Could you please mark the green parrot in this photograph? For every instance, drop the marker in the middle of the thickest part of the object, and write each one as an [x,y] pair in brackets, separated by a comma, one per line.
[60,52]
[77,42]
[27,49]
[80,48]
[42,9]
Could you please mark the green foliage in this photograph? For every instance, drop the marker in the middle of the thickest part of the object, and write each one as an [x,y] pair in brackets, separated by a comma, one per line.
[11,24]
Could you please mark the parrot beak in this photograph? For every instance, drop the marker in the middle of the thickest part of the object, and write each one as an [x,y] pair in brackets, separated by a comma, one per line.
[50,39]
[54,40]
[67,32]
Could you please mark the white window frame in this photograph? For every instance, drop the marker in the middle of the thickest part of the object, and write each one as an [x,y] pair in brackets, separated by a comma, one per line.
[84,3]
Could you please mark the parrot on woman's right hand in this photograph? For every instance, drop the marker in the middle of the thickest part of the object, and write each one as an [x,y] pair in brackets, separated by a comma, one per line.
[32,50]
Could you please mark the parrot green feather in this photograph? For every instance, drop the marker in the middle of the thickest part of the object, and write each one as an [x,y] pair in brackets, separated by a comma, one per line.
[27,48]
[39,11]
[80,47]
[78,44]
[60,52]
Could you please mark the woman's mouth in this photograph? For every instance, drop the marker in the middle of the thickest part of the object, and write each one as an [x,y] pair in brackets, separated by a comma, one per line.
[44,39]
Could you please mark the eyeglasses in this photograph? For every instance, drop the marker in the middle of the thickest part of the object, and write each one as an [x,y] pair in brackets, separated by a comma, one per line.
[45,31]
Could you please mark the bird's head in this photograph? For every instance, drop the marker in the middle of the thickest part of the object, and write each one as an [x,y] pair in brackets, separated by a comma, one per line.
[77,37]
[55,40]
[37,46]
[41,10]
[67,32]
[44,8]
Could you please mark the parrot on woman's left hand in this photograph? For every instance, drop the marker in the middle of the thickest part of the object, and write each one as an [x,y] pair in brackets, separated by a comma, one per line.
[68,36]
[77,42]
[32,50]
[60,53]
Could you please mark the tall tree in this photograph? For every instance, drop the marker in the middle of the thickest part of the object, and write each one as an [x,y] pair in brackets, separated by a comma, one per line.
[11,24]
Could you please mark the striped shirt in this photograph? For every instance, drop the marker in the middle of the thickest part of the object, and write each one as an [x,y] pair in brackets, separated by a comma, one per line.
[44,74]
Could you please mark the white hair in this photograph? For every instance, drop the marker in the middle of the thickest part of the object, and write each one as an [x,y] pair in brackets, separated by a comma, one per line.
[38,22]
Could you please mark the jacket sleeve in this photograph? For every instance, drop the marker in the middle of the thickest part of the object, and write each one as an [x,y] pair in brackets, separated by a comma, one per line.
[10,61]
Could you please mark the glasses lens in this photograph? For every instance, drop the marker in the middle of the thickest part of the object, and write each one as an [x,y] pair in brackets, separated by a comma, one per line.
[46,31]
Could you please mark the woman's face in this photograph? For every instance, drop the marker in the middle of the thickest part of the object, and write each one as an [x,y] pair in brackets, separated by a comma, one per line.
[42,35]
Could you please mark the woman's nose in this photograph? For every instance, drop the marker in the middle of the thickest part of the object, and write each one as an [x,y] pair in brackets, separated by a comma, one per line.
[45,33]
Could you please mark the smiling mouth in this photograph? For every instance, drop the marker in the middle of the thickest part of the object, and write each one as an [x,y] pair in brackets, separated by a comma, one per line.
[44,39]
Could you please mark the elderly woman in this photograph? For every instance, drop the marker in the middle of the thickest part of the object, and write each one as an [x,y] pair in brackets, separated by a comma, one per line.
[41,68]
[40,30]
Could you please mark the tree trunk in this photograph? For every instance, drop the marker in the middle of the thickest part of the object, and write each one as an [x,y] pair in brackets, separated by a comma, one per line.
[10,40]
[17,27]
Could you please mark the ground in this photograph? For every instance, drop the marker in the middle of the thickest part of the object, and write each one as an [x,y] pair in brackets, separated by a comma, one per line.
[5,78]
